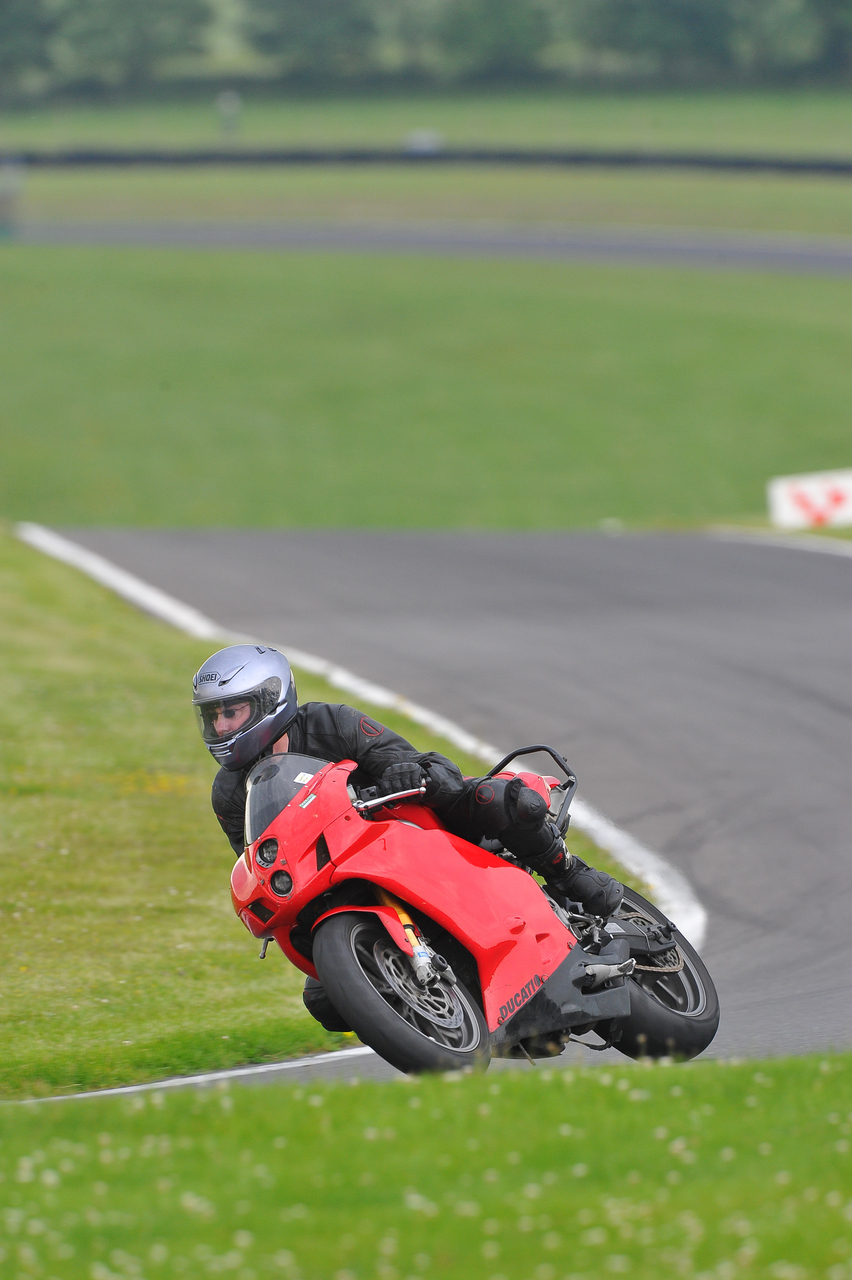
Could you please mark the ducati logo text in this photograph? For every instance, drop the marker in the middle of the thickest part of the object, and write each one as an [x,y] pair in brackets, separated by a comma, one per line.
[519,998]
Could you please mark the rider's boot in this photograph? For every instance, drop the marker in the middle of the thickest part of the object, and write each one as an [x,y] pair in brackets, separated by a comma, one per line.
[320,1007]
[598,893]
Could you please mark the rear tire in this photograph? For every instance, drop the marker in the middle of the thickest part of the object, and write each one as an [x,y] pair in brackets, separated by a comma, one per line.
[672,1015]
[414,1028]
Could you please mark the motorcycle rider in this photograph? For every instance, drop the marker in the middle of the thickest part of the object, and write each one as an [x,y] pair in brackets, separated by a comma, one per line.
[245,702]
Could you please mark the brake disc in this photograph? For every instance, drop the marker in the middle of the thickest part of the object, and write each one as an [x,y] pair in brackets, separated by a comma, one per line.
[438,1003]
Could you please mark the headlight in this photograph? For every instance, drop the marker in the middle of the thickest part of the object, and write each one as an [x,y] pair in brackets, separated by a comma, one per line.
[267,853]
[281,882]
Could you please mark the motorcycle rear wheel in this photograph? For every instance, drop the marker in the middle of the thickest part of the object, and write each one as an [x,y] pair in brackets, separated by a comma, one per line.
[672,1014]
[370,982]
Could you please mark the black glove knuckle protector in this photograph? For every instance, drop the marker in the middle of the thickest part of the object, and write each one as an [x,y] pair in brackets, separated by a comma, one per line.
[405,775]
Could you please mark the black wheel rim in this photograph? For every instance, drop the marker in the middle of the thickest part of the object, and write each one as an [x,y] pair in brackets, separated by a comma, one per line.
[442,1014]
[682,992]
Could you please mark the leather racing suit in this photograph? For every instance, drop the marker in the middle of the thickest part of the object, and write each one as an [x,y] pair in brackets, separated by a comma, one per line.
[470,807]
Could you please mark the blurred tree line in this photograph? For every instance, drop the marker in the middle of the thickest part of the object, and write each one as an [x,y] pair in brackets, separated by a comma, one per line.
[49,46]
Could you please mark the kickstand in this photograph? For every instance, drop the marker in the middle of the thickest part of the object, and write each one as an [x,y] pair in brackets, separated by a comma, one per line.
[530,1060]
[266,942]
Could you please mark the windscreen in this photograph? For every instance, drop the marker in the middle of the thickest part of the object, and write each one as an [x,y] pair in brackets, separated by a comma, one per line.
[271,785]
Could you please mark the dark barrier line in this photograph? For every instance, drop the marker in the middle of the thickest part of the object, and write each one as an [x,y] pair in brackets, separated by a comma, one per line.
[461,155]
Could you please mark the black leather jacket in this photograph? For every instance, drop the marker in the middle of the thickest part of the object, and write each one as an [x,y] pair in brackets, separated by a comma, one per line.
[333,731]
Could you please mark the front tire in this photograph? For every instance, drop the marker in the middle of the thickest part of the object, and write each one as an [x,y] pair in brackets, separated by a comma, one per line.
[674,1011]
[414,1028]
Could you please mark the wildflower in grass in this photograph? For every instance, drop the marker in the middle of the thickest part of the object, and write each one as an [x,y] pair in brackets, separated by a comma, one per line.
[420,1204]
[467,1208]
[198,1205]
[580,1170]
[490,1249]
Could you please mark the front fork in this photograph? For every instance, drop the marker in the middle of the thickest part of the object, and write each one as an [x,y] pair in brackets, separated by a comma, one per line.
[427,965]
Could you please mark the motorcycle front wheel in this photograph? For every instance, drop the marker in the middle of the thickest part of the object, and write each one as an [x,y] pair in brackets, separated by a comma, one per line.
[674,1009]
[370,982]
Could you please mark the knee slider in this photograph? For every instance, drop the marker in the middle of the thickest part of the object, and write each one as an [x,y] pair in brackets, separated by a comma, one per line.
[530,808]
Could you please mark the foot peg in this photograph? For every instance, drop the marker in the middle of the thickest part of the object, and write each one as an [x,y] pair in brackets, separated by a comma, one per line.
[601,973]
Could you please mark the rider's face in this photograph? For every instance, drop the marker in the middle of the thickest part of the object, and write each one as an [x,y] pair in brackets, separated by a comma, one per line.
[231,718]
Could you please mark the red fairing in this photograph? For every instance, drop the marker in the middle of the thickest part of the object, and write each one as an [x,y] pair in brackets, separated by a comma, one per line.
[494,909]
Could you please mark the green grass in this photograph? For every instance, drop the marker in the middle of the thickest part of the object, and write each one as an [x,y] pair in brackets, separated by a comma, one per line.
[713,1171]
[527,197]
[809,122]
[155,387]
[121,956]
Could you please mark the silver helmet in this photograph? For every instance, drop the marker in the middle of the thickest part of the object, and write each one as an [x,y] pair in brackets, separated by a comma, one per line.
[244,699]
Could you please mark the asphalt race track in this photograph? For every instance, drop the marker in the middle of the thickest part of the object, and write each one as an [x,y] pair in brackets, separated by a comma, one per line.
[700,686]
[819,255]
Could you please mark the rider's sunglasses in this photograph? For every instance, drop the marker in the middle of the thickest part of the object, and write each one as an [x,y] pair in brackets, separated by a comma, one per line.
[229,712]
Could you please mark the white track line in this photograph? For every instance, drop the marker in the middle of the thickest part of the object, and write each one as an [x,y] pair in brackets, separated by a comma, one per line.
[826,546]
[207,1077]
[671,890]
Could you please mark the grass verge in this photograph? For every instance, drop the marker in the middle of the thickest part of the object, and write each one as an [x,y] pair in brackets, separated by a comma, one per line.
[159,387]
[122,959]
[804,122]
[712,1171]
[495,196]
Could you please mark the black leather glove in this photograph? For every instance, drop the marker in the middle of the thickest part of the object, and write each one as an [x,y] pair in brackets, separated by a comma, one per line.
[405,775]
[444,782]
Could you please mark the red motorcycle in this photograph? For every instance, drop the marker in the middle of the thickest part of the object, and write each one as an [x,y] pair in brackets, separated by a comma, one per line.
[438,952]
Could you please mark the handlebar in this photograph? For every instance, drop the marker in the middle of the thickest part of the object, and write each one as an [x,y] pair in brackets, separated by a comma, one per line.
[364,806]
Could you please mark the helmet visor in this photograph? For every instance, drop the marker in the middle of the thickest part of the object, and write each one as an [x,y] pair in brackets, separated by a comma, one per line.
[222,719]
[219,721]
